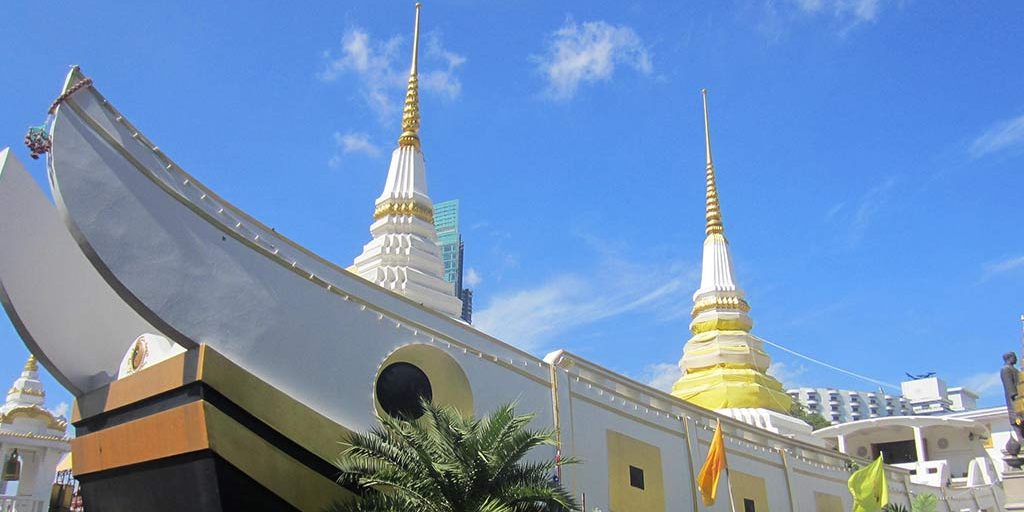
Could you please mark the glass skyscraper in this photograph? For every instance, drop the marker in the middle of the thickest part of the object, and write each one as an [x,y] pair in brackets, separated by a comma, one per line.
[446,222]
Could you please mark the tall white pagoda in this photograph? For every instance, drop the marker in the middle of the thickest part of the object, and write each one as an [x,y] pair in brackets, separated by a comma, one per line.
[404,255]
[724,365]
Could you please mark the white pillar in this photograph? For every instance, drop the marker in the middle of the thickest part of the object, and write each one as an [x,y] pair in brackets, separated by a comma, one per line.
[919,444]
[841,440]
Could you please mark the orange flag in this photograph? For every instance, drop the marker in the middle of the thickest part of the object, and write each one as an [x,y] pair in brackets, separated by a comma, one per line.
[707,479]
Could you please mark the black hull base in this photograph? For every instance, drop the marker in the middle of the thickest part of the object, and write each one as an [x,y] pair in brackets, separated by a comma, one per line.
[195,482]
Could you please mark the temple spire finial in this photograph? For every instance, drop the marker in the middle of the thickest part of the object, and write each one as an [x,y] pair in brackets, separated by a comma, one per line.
[31,365]
[713,213]
[411,112]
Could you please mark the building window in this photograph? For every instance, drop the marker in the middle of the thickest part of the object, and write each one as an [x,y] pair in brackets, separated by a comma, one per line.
[835,407]
[636,477]
[748,505]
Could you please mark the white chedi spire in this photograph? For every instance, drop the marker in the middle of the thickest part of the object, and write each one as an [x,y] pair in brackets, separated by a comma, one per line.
[23,411]
[724,366]
[27,390]
[404,255]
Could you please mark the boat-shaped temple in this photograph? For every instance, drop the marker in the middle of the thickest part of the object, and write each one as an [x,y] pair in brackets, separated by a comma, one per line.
[216,363]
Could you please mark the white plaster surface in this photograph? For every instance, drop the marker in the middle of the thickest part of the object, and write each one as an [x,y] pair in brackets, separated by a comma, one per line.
[52,293]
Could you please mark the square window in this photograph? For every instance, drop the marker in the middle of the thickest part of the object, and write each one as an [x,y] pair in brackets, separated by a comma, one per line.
[748,505]
[636,477]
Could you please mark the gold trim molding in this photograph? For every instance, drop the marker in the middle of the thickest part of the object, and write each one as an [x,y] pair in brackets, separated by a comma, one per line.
[406,207]
[28,392]
[709,303]
[35,412]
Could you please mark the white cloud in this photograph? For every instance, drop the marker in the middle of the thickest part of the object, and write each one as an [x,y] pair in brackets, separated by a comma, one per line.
[1005,135]
[351,142]
[589,52]
[372,62]
[473,277]
[786,374]
[356,143]
[858,217]
[661,375]
[983,383]
[1006,265]
[531,318]
[61,409]
[855,10]
[442,81]
[774,18]
[383,73]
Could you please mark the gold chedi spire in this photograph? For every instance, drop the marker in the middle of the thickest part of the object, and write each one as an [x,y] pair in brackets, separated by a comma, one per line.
[713,211]
[31,365]
[411,112]
[724,366]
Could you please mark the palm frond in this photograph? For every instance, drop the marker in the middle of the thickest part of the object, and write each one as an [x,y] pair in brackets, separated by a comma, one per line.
[446,462]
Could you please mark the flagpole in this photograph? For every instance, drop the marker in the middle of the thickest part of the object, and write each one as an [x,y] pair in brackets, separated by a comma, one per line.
[728,487]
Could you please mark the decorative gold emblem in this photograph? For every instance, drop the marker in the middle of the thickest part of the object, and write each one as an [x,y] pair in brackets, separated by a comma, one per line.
[138,355]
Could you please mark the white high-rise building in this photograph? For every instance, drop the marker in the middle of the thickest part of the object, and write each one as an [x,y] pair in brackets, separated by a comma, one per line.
[921,397]
[843,405]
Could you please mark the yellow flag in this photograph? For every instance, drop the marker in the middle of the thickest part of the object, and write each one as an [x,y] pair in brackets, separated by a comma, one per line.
[869,488]
[707,479]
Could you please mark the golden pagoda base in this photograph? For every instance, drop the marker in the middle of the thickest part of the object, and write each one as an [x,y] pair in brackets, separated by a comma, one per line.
[725,387]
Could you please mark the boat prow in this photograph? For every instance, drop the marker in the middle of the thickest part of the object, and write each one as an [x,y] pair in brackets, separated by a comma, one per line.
[67,315]
[202,271]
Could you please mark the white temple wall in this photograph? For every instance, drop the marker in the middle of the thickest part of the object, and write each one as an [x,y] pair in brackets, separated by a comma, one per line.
[814,485]
[587,419]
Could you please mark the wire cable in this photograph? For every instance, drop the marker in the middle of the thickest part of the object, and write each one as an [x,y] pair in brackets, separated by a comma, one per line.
[833,367]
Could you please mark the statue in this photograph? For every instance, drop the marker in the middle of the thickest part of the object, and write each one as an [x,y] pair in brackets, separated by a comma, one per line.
[1011,380]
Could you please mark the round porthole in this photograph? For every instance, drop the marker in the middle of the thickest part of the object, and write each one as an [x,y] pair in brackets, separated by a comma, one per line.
[400,387]
[943,443]
[441,380]
[862,451]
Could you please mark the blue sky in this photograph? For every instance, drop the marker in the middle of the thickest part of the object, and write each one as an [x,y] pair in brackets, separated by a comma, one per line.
[869,154]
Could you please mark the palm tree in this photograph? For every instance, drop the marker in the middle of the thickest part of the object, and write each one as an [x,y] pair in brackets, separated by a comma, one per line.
[444,462]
